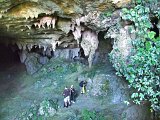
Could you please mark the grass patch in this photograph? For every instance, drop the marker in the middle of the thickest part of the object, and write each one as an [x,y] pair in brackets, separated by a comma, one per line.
[105,86]
[91,115]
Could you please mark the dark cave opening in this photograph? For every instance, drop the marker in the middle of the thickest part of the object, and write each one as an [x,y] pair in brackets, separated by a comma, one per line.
[9,51]
[8,54]
[36,49]
[104,48]
[154,28]
[106,43]
[10,65]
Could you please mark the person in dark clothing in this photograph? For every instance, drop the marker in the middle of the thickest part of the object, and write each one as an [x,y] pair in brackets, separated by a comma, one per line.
[66,94]
[73,94]
[83,85]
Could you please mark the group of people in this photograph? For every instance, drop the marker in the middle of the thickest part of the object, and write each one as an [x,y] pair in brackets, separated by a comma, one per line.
[70,93]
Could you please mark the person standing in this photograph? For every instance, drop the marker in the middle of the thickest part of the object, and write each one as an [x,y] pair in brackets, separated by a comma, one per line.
[72,93]
[66,94]
[83,85]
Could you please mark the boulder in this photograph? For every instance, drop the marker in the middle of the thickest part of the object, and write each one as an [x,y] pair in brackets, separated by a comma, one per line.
[67,53]
[111,92]
[136,112]
[61,53]
[32,63]
[74,53]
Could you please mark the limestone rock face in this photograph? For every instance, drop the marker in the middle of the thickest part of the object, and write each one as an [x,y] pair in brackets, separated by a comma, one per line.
[121,3]
[26,10]
[122,41]
[67,53]
[61,53]
[89,44]
[64,25]
[51,24]
[57,23]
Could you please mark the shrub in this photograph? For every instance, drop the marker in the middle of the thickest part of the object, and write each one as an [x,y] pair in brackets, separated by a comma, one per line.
[142,70]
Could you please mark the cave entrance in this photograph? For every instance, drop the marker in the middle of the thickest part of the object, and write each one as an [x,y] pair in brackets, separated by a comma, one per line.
[105,44]
[10,65]
[104,48]
[8,55]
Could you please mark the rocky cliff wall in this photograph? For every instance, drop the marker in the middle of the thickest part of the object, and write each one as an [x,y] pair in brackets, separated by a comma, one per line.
[51,24]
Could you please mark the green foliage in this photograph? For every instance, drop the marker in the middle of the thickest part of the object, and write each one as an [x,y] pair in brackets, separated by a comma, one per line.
[140,16]
[143,73]
[142,68]
[91,115]
[105,86]
[40,111]
[107,13]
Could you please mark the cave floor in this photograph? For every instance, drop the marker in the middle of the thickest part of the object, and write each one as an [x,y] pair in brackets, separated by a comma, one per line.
[19,91]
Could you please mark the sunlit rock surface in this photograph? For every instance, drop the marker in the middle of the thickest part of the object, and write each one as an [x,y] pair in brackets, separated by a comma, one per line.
[122,40]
